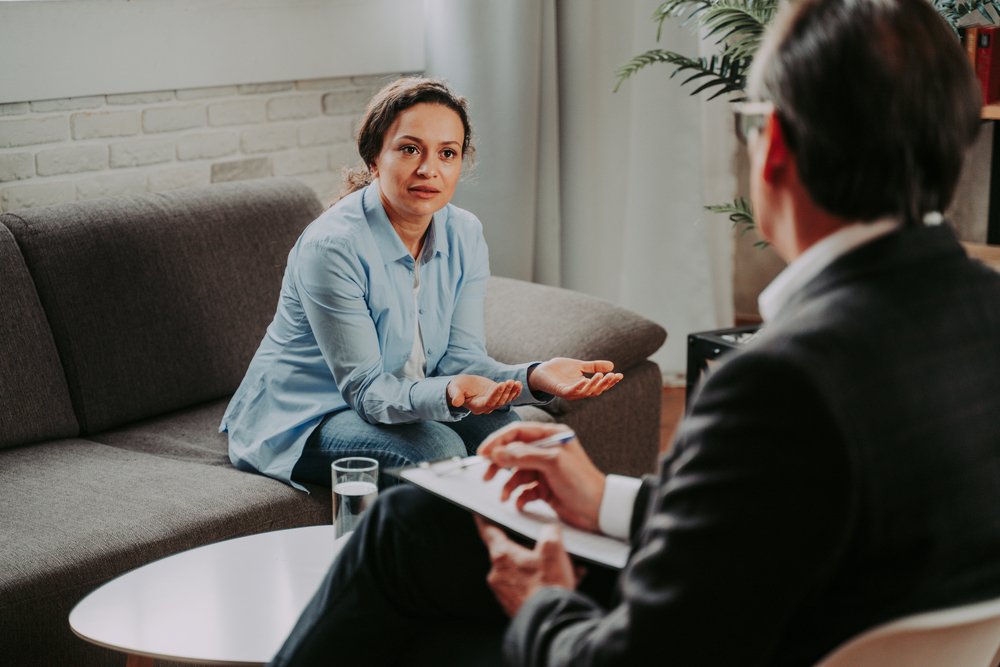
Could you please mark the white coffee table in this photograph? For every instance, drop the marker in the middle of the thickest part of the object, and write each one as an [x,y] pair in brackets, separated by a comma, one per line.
[228,603]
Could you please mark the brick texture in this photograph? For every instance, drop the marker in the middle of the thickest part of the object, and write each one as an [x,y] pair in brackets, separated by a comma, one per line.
[61,150]
[16,197]
[71,160]
[29,131]
[322,131]
[16,166]
[294,107]
[111,186]
[237,112]
[68,104]
[104,124]
[207,145]
[169,119]
[305,161]
[240,170]
[178,177]
[141,153]
[346,102]
[268,138]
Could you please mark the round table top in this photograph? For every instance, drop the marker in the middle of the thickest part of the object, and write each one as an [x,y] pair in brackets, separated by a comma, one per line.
[228,603]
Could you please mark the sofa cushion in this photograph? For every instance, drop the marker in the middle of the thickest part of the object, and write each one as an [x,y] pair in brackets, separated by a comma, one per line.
[34,398]
[191,434]
[87,512]
[531,322]
[158,301]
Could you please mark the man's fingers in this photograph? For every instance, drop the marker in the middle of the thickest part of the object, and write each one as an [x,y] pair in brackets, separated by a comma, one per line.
[550,543]
[537,491]
[522,455]
[492,537]
[517,432]
[517,479]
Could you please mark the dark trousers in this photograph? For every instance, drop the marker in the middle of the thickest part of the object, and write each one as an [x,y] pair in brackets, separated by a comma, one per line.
[409,588]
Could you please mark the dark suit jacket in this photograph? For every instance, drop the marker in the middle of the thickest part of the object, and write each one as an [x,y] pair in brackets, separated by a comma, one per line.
[841,471]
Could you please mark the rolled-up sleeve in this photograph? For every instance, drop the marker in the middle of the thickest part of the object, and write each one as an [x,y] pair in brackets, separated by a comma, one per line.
[332,281]
[466,352]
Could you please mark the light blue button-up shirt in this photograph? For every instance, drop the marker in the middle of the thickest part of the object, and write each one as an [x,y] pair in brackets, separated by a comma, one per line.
[344,330]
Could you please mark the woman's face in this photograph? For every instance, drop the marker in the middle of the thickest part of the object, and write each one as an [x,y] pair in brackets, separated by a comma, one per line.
[420,162]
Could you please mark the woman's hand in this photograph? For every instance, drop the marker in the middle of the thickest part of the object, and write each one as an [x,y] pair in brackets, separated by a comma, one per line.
[565,378]
[481,395]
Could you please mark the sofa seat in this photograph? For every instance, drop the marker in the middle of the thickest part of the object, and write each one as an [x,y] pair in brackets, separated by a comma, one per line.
[87,512]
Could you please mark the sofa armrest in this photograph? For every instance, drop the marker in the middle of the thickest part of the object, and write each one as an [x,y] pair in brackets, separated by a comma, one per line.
[528,322]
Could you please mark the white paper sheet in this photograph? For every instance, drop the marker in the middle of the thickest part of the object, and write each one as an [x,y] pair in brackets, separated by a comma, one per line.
[462,483]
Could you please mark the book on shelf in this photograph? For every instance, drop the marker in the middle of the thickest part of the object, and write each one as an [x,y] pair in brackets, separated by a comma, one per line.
[988,62]
[970,39]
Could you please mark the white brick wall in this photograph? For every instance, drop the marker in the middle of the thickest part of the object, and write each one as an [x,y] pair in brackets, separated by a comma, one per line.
[58,151]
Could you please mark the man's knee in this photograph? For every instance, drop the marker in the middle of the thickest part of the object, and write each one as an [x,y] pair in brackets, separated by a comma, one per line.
[406,510]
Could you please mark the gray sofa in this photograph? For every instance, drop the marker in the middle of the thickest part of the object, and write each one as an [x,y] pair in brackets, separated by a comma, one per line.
[125,325]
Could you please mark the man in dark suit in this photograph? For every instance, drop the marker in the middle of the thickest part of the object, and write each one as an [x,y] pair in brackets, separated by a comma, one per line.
[839,472]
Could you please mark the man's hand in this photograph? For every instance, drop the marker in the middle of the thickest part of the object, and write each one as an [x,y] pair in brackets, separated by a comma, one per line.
[481,395]
[563,476]
[517,573]
[565,378]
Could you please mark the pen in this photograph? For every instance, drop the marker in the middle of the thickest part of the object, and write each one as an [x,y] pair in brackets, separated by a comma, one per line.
[445,466]
[560,438]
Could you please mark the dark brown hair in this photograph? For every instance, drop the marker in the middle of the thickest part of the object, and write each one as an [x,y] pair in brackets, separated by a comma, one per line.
[381,113]
[877,101]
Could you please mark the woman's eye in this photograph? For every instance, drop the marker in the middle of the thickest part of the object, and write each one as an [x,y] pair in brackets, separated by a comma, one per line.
[448,153]
[410,150]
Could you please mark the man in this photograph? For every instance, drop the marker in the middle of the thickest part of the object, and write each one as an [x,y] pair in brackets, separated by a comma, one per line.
[838,473]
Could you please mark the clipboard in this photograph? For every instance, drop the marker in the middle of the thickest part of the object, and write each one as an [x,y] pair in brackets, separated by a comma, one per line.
[460,481]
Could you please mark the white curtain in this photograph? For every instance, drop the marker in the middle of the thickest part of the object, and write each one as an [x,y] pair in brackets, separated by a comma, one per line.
[583,188]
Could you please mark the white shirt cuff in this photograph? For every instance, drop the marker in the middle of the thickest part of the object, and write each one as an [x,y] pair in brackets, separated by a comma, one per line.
[615,515]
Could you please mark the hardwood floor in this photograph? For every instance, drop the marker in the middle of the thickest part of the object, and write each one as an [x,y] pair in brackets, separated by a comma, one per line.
[670,417]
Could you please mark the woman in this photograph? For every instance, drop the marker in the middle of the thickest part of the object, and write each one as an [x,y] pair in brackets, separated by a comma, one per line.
[377,347]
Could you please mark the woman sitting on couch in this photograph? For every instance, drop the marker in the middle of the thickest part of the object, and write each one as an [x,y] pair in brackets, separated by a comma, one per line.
[377,347]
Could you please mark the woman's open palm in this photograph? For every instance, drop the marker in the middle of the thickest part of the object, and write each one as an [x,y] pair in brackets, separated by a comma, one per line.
[567,378]
[481,395]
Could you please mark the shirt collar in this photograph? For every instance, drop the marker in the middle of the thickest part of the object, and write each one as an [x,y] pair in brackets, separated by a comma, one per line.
[389,244]
[820,255]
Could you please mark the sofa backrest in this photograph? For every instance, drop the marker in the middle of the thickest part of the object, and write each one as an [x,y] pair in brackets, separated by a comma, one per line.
[34,398]
[158,301]
[527,321]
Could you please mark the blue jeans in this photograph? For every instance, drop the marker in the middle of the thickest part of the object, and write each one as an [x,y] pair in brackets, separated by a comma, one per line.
[344,433]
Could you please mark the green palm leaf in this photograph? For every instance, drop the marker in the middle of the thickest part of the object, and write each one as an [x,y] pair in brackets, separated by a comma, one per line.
[677,8]
[954,11]
[740,213]
[739,25]
[725,73]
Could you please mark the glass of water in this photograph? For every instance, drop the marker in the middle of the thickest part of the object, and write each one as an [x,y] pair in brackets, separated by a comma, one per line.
[355,486]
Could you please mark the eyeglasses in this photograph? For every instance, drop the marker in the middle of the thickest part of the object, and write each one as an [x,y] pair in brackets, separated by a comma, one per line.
[750,116]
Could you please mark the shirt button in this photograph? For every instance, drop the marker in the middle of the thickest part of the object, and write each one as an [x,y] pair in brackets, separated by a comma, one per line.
[421,311]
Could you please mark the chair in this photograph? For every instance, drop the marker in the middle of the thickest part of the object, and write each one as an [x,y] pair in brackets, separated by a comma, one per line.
[966,636]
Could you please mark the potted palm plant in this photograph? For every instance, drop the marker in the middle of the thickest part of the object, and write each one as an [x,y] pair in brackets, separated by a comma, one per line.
[738,27]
